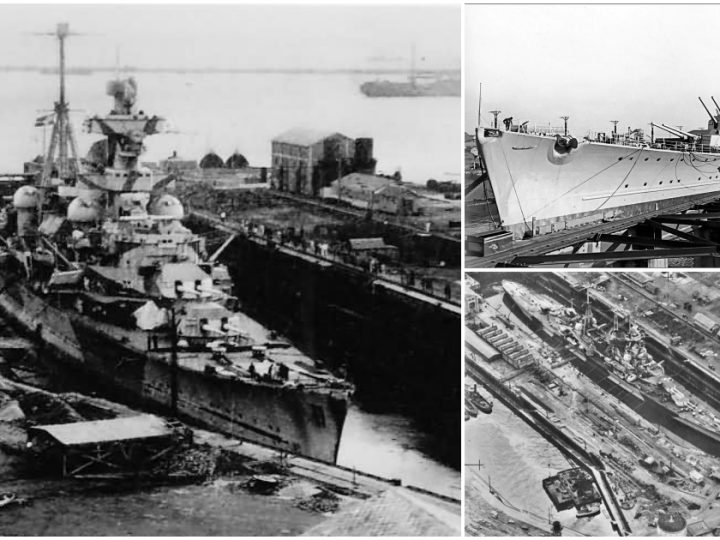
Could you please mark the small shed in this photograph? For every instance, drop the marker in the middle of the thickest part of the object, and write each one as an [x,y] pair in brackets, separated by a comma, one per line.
[706,322]
[100,446]
[372,247]
[699,528]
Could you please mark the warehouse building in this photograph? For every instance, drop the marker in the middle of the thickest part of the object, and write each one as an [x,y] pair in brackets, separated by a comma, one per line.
[305,161]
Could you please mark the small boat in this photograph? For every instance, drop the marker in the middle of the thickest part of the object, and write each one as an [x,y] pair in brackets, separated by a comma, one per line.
[470,409]
[588,510]
[6,499]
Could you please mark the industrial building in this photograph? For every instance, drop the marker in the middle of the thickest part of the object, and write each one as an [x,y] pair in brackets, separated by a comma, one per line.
[305,161]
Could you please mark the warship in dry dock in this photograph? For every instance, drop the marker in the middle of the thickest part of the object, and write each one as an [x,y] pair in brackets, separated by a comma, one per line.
[97,266]
[617,355]
[545,180]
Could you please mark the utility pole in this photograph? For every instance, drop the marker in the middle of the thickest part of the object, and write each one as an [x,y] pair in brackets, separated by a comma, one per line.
[173,362]
[565,119]
[479,118]
[495,114]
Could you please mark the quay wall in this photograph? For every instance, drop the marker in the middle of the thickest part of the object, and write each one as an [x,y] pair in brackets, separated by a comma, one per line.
[402,353]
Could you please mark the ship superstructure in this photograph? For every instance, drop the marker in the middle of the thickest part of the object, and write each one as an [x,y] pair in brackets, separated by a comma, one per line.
[620,351]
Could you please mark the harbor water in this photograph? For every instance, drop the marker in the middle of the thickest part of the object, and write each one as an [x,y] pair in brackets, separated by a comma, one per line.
[504,454]
[228,112]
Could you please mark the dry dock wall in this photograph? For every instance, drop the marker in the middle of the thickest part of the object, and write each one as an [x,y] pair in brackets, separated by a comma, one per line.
[401,353]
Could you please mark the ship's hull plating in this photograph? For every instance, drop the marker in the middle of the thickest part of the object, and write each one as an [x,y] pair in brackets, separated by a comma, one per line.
[538,189]
[301,421]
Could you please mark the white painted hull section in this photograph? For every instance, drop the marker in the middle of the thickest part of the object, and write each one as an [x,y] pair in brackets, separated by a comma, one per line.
[538,189]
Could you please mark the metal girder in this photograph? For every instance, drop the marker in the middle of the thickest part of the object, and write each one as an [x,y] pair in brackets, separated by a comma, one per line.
[680,234]
[643,254]
[688,221]
[688,217]
[642,241]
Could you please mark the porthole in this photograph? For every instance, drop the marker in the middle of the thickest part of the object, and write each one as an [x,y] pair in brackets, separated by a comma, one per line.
[672,159]
[646,159]
[626,186]
[631,159]
[661,182]
[658,159]
[644,183]
[619,159]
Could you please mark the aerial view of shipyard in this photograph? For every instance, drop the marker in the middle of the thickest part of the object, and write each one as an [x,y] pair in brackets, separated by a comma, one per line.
[230,270]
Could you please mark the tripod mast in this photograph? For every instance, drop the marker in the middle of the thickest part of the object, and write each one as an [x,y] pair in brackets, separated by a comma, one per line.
[62,139]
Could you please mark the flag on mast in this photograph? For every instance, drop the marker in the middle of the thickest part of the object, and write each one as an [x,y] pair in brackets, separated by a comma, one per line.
[47,120]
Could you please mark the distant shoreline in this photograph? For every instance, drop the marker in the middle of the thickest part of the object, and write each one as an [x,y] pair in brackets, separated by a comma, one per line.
[77,70]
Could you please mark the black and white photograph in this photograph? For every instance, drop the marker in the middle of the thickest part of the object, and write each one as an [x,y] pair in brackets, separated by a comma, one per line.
[230,270]
[591,136]
[592,403]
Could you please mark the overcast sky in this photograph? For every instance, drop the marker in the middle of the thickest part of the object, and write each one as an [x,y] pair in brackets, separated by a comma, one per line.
[596,63]
[313,36]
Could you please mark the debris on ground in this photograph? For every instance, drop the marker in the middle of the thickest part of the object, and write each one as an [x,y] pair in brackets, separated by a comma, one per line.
[323,502]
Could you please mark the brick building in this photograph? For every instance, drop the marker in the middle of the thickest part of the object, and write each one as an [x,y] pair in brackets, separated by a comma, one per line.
[304,160]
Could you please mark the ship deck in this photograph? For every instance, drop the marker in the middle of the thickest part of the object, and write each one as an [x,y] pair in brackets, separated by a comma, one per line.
[236,364]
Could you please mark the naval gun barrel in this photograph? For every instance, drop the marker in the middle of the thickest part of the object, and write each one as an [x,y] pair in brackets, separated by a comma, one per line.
[717,107]
[683,133]
[712,118]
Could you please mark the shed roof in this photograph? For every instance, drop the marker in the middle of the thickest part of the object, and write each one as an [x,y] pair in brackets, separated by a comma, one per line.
[304,136]
[364,181]
[699,528]
[361,244]
[143,426]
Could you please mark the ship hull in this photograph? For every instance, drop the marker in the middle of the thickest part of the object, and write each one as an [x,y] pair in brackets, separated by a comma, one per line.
[288,418]
[540,190]
[534,319]
[406,89]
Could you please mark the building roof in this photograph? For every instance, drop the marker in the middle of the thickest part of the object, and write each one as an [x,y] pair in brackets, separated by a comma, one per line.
[481,347]
[304,136]
[363,244]
[704,320]
[143,426]
[369,182]
[699,528]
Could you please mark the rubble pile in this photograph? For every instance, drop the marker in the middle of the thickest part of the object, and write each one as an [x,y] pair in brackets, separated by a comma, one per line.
[197,462]
[322,502]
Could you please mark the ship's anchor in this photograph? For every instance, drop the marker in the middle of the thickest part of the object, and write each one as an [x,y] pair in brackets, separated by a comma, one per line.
[564,145]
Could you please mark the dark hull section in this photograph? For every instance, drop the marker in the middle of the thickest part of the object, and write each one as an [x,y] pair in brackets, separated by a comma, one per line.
[301,421]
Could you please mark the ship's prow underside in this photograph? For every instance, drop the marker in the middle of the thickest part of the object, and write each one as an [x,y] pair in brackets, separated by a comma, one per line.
[543,184]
